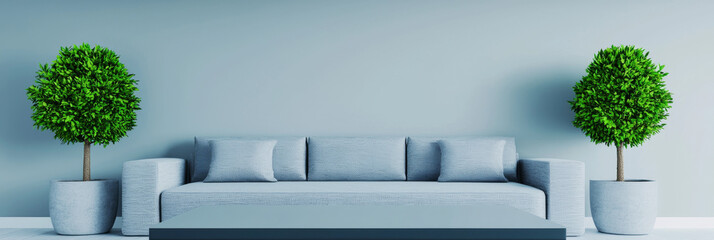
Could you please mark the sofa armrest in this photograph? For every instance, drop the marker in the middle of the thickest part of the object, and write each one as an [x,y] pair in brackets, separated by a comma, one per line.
[563,182]
[142,184]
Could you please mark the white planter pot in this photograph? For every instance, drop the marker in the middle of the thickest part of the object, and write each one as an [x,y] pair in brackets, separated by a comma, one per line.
[628,207]
[83,207]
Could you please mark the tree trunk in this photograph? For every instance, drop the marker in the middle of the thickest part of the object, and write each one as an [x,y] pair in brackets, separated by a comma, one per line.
[620,164]
[86,176]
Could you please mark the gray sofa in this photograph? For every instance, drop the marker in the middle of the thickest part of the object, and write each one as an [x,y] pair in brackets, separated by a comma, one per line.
[351,171]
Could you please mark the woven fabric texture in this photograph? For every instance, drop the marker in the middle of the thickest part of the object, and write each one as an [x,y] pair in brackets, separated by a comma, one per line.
[474,160]
[143,181]
[356,159]
[241,161]
[563,182]
[424,157]
[181,199]
[289,157]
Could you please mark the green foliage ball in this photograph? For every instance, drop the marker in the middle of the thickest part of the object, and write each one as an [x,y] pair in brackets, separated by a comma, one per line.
[85,95]
[623,99]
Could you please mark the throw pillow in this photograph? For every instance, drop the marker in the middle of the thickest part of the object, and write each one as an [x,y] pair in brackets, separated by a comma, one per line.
[241,161]
[475,160]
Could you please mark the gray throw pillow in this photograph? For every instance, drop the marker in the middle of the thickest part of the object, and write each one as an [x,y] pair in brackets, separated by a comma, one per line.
[241,161]
[289,157]
[474,160]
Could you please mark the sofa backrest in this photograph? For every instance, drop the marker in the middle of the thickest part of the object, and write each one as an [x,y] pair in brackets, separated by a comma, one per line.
[353,158]
[356,159]
[289,157]
[424,157]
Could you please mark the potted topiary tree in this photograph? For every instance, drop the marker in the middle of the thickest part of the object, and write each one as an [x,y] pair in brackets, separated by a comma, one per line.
[622,102]
[85,96]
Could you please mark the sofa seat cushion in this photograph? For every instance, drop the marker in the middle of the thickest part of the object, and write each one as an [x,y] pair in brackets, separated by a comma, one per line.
[184,198]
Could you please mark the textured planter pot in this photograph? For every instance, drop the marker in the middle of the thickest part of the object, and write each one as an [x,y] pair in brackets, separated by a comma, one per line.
[628,207]
[83,207]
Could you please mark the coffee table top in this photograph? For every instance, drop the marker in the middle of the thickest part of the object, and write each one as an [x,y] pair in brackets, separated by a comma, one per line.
[485,216]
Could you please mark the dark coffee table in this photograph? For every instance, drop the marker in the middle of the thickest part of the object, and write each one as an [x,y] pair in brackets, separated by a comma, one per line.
[356,222]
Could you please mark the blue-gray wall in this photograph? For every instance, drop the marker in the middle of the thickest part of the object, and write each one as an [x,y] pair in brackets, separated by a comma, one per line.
[361,68]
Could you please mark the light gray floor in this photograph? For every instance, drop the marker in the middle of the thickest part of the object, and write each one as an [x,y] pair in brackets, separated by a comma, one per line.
[590,234]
